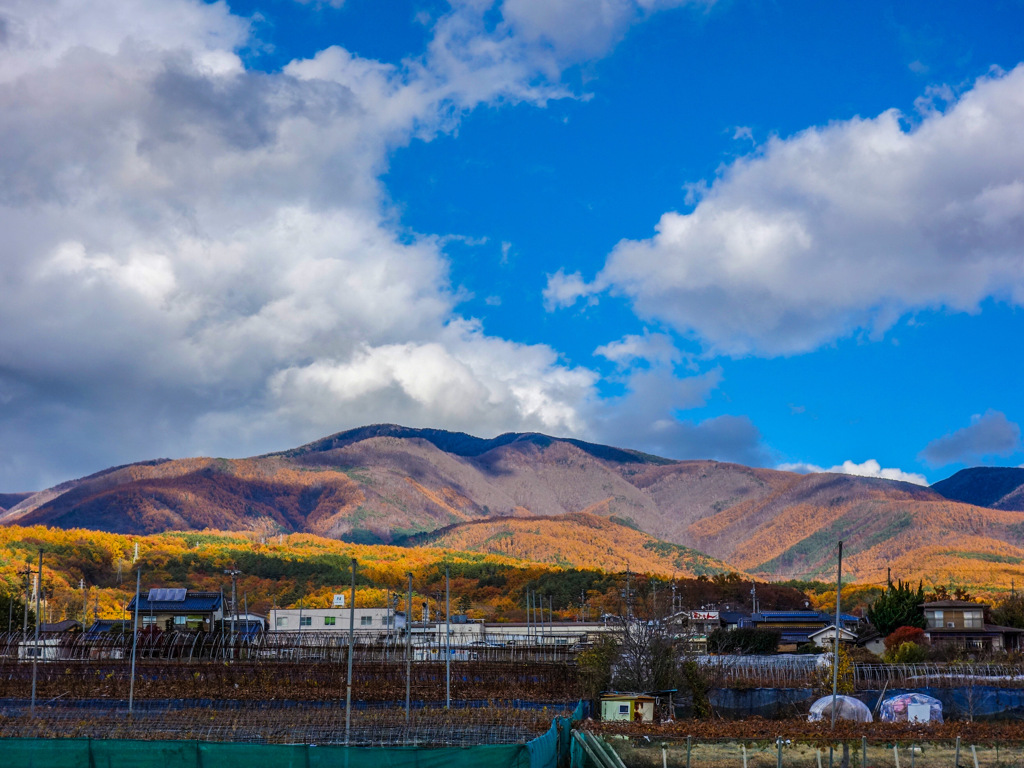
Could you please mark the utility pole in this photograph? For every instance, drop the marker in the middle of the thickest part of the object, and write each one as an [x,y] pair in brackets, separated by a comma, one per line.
[835,652]
[35,652]
[27,573]
[628,594]
[408,649]
[233,573]
[135,638]
[447,641]
[529,627]
[351,648]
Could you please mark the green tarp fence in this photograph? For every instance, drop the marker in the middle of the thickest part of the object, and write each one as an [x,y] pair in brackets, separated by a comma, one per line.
[115,753]
[551,749]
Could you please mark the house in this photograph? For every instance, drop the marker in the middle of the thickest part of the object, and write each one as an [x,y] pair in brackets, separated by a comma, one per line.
[796,627]
[104,627]
[559,634]
[731,620]
[634,707]
[247,626]
[60,627]
[826,637]
[181,610]
[699,624]
[108,638]
[871,639]
[962,623]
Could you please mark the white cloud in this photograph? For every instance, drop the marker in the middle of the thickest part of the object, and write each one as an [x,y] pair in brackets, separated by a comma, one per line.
[38,34]
[564,290]
[839,228]
[989,434]
[198,258]
[657,348]
[465,380]
[869,468]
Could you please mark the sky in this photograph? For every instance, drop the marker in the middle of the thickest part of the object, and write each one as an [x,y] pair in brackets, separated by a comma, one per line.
[781,234]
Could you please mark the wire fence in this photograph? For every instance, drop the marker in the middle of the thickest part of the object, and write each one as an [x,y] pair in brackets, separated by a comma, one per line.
[787,672]
[372,681]
[310,645]
[919,752]
[280,722]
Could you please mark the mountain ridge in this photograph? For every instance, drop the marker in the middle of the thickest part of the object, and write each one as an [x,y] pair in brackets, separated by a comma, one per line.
[387,483]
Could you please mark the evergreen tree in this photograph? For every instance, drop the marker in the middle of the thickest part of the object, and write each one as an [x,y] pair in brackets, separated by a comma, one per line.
[12,613]
[1009,612]
[899,606]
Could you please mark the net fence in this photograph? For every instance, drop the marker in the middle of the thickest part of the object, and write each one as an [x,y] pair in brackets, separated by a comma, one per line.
[281,722]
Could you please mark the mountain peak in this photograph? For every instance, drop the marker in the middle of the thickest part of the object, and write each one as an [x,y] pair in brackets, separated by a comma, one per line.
[466,445]
[997,487]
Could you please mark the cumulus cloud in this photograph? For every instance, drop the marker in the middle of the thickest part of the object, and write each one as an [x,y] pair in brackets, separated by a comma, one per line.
[842,227]
[989,434]
[199,257]
[580,29]
[655,348]
[647,416]
[869,468]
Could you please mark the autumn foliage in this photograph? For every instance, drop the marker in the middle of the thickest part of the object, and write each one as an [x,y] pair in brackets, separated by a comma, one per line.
[904,635]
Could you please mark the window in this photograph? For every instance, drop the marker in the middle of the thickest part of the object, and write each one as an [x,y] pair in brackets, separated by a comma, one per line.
[329,621]
[148,621]
[387,621]
[973,620]
[305,621]
[365,621]
[180,620]
[623,709]
[935,620]
[282,621]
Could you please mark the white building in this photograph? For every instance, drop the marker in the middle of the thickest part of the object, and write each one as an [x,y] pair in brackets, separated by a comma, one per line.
[367,620]
[45,649]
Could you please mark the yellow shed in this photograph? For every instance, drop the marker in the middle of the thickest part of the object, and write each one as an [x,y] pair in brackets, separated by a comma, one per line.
[635,707]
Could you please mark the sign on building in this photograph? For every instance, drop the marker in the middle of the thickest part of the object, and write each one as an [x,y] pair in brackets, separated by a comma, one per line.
[339,601]
[703,615]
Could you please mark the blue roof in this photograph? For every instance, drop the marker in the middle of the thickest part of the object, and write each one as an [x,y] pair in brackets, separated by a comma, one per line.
[103,626]
[194,602]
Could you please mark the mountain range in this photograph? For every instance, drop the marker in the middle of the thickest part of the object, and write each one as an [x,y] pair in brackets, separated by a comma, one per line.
[568,502]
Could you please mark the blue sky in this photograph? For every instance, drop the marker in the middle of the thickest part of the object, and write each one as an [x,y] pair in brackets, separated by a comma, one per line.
[789,235]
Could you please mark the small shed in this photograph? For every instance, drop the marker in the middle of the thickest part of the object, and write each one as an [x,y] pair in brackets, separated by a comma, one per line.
[43,649]
[635,707]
